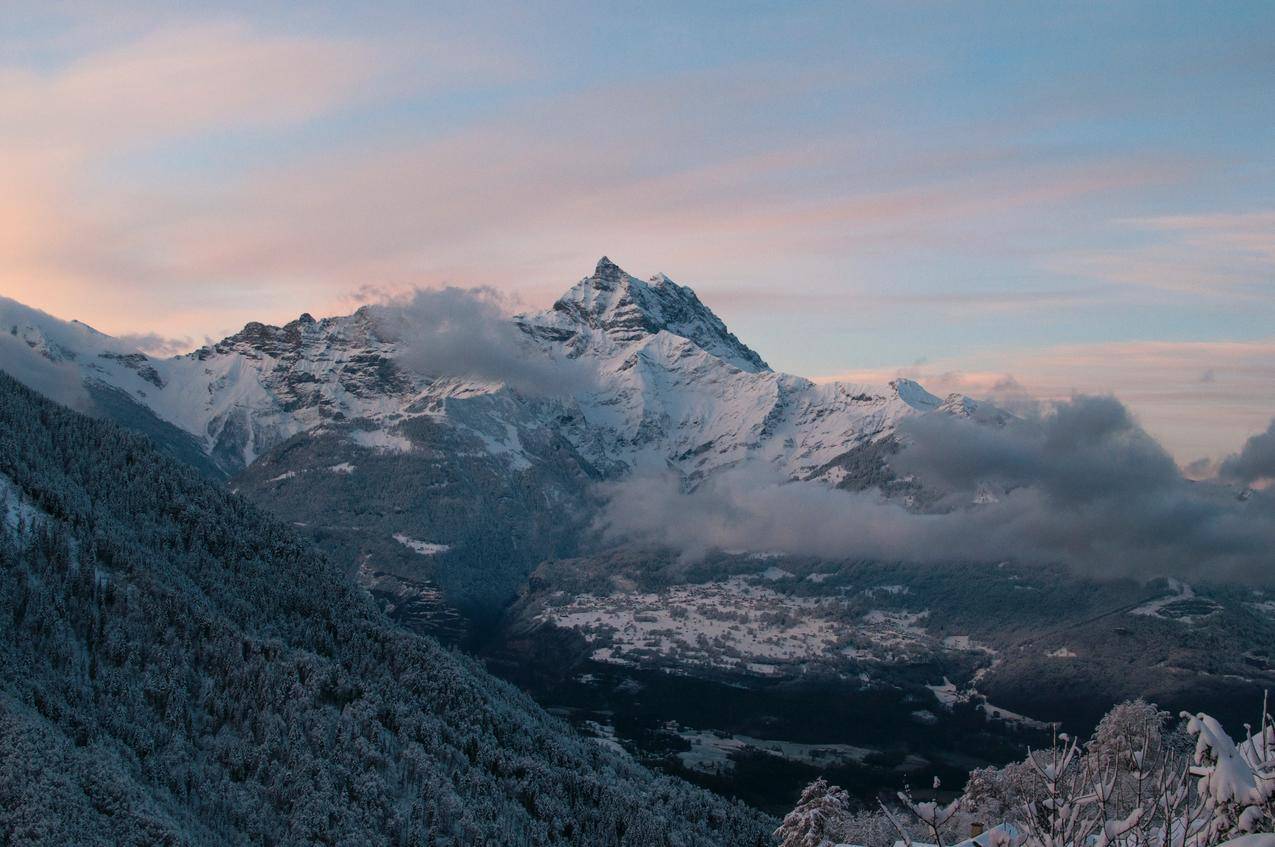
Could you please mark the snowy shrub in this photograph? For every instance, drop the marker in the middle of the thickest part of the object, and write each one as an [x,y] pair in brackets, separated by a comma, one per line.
[1132,785]
[935,819]
[994,793]
[817,818]
[867,827]
[1135,725]
[1235,784]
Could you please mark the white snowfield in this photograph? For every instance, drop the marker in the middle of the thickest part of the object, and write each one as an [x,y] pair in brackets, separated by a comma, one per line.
[1181,605]
[670,386]
[423,548]
[741,625]
[730,624]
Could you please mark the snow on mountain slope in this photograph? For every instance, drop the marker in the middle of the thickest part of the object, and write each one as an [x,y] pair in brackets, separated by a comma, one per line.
[677,388]
[611,309]
[673,386]
[250,391]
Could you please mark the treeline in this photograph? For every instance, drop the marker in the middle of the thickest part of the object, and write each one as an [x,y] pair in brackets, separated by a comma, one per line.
[177,668]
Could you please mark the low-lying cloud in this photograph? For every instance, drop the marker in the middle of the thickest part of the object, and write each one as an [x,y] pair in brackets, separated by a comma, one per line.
[1256,460]
[468,333]
[59,381]
[154,344]
[1082,485]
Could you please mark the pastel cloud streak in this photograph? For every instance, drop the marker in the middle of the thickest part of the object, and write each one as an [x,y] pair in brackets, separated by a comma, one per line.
[67,224]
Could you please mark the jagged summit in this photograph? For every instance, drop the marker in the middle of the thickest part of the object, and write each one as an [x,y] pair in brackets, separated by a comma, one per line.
[627,309]
[304,336]
[608,270]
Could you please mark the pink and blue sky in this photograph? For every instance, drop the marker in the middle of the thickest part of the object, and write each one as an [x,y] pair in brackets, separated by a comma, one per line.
[1058,197]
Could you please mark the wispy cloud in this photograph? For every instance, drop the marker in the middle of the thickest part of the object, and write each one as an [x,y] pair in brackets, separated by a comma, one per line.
[530,196]
[684,175]
[455,332]
[89,227]
[1229,254]
[70,229]
[180,81]
[1249,233]
[156,344]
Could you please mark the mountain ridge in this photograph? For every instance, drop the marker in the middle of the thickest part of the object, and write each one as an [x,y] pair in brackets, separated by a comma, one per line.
[476,508]
[673,384]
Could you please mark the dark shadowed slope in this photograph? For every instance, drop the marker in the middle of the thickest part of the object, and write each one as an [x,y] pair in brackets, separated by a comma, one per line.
[176,668]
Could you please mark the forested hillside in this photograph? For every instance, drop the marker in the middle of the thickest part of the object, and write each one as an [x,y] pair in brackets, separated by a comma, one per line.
[177,668]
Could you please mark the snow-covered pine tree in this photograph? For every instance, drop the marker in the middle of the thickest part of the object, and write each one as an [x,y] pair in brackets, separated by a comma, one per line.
[815,820]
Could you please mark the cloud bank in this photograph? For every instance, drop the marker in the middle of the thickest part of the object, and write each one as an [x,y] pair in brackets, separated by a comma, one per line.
[1198,398]
[59,381]
[1082,485]
[1255,462]
[468,333]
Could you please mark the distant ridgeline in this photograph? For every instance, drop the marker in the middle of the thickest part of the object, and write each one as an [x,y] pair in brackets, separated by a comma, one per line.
[177,668]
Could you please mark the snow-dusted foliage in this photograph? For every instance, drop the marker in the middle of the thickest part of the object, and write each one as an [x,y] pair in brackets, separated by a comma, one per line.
[1236,783]
[176,668]
[817,817]
[935,818]
[1134,784]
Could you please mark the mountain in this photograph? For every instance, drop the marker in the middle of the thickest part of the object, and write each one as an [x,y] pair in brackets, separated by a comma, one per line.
[671,384]
[613,305]
[459,466]
[675,388]
[348,429]
[178,668]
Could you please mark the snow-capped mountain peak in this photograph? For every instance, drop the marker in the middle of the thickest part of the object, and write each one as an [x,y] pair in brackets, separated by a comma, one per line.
[626,310]
[911,393]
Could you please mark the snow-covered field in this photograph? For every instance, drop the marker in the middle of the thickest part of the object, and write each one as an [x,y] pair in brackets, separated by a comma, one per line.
[1181,605]
[949,695]
[424,548]
[741,624]
[1265,607]
[728,624]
